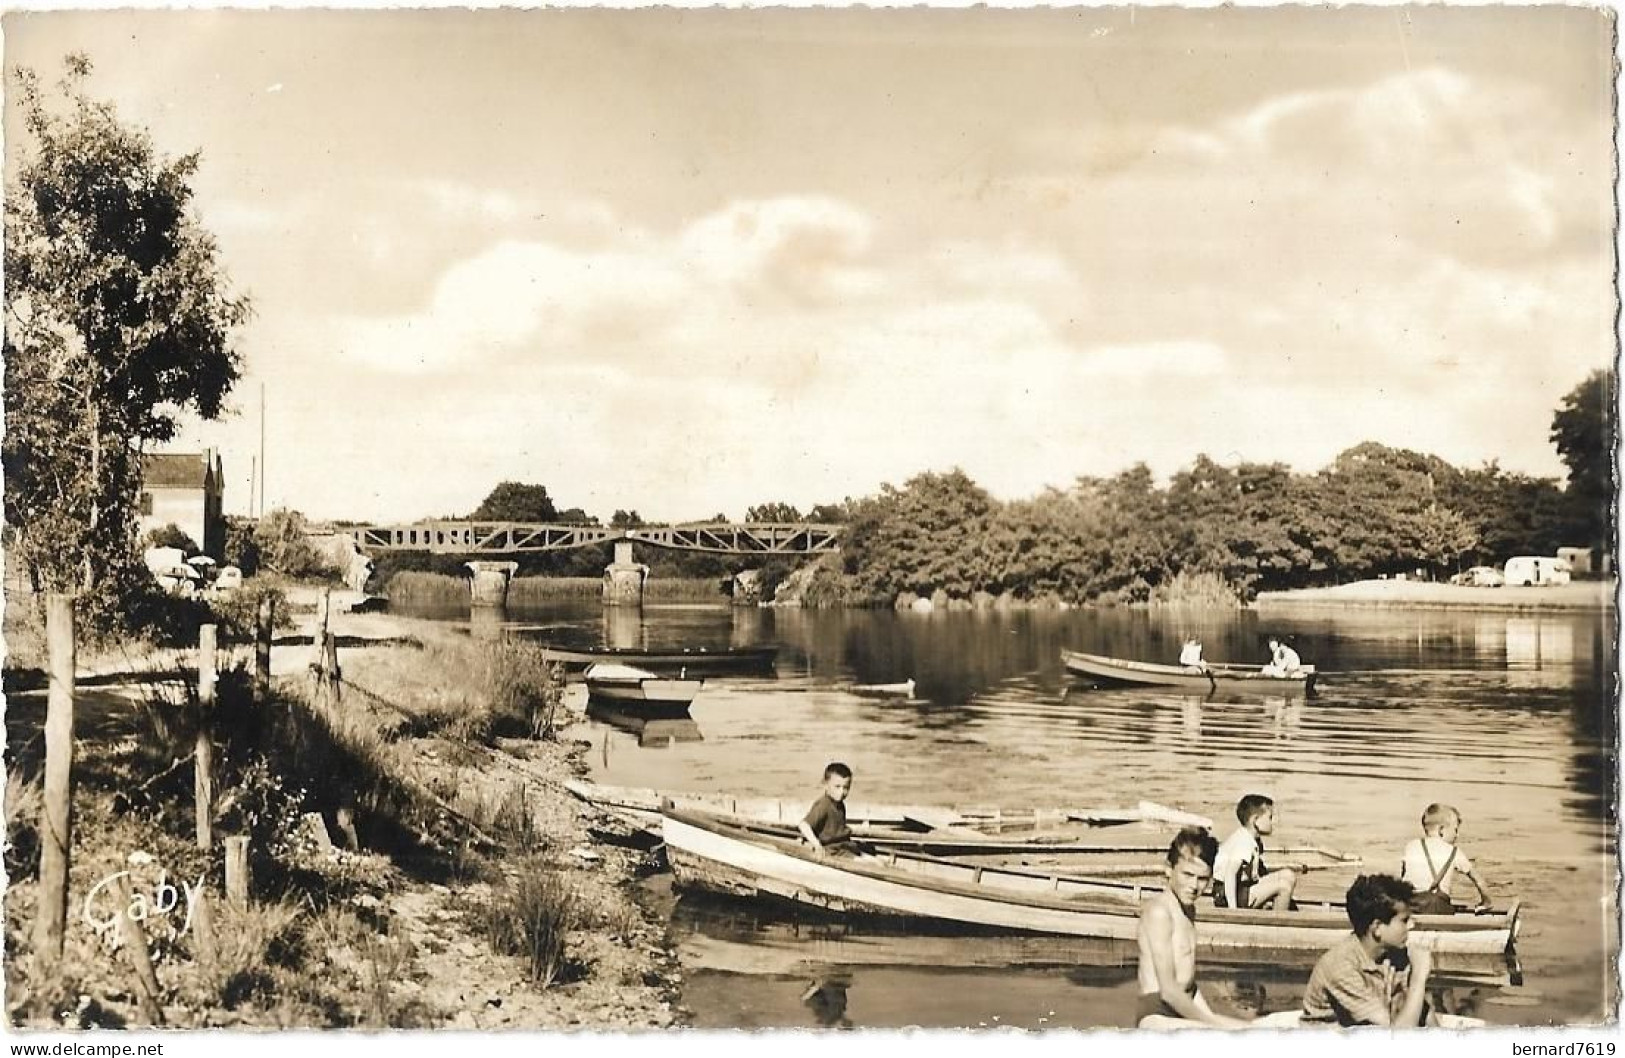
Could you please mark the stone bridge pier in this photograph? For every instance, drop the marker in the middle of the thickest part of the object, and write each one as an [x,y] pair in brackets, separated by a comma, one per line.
[747,588]
[624,579]
[490,581]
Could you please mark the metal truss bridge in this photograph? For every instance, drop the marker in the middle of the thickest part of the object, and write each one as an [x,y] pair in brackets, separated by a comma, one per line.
[513,538]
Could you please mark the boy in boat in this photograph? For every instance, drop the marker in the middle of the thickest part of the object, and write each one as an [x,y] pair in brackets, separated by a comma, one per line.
[1371,977]
[1284,662]
[1167,939]
[1431,862]
[1190,655]
[1240,878]
[824,827]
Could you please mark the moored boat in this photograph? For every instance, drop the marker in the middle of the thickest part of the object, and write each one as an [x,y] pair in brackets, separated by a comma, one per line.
[638,688]
[699,660]
[710,854]
[883,690]
[1244,678]
[642,808]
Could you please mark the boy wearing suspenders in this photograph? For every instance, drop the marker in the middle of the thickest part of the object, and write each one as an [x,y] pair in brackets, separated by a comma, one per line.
[1433,860]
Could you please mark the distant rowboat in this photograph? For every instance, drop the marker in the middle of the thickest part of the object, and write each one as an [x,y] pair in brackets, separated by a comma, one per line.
[883,690]
[1216,677]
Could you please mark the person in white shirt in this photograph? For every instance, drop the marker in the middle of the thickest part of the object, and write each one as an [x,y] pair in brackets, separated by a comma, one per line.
[1284,661]
[1432,861]
[1190,655]
[1240,878]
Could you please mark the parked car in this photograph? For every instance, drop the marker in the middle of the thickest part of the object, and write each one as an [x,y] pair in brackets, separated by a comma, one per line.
[230,578]
[1480,577]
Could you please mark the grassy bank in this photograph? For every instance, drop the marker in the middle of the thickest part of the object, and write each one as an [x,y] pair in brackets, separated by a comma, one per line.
[434,589]
[1579,595]
[415,859]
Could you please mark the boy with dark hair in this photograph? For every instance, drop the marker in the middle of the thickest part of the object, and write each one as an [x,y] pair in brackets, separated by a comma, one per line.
[824,827]
[1372,977]
[1240,878]
[1167,939]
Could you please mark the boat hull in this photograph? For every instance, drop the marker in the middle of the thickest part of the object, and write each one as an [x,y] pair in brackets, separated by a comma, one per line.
[713,857]
[1231,678]
[742,659]
[642,807]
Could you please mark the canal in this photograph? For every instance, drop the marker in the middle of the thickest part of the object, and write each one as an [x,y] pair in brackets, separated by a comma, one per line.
[1507,716]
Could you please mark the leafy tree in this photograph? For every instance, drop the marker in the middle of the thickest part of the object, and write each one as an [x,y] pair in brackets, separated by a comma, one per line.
[575,516]
[625,520]
[773,512]
[118,319]
[1584,430]
[513,501]
[285,547]
[171,535]
[242,550]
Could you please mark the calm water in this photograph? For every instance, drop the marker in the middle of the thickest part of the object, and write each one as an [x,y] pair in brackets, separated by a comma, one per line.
[1508,717]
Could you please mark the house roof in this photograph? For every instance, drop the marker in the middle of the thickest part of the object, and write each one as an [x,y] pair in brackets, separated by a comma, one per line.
[177,470]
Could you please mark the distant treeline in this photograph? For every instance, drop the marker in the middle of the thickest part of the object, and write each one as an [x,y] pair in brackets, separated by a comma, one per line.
[1375,510]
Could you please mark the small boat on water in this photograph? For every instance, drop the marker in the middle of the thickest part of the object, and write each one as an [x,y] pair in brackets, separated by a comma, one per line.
[635,687]
[1244,678]
[883,690]
[642,808]
[713,855]
[699,661]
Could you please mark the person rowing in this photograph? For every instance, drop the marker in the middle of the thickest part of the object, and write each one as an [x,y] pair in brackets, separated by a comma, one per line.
[1284,662]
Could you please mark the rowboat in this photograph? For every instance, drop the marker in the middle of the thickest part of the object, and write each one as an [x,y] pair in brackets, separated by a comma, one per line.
[697,660]
[642,808]
[640,688]
[883,690]
[710,854]
[1244,678]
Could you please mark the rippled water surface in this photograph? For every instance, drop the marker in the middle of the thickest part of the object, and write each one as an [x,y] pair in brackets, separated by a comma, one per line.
[1508,717]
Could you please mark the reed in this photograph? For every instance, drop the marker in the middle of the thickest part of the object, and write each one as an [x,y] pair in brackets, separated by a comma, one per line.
[531,916]
[1208,590]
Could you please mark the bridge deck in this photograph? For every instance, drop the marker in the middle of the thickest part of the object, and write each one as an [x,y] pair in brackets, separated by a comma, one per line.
[509,538]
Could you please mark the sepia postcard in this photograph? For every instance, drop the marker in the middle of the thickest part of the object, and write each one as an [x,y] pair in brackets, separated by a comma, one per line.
[631,520]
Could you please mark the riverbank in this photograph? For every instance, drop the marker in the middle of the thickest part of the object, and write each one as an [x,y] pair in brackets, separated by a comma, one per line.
[1577,595]
[417,861]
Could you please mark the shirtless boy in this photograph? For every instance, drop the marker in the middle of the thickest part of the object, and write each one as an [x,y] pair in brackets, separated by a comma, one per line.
[1167,939]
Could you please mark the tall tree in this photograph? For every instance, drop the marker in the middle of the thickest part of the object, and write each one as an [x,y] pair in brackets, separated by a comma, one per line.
[773,512]
[119,319]
[513,501]
[1584,429]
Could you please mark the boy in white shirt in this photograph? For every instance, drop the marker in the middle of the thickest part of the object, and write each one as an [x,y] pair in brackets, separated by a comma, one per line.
[1240,878]
[1431,862]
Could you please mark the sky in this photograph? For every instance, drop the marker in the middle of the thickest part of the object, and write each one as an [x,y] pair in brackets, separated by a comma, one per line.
[687,261]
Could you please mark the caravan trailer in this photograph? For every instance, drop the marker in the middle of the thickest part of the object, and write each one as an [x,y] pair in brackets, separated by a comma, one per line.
[1527,570]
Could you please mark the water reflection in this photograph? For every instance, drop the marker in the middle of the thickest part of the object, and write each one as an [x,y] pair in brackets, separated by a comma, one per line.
[826,998]
[652,732]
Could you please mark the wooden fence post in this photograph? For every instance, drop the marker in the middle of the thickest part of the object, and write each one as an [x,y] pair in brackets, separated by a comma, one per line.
[203,929]
[264,627]
[237,879]
[135,939]
[56,833]
[335,676]
[203,758]
[318,640]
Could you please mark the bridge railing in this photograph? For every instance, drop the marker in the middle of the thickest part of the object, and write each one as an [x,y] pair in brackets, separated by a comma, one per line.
[507,538]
